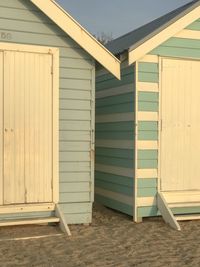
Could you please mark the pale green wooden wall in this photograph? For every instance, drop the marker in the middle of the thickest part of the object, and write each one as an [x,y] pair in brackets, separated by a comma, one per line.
[23,23]
[149,72]
[113,105]
[115,140]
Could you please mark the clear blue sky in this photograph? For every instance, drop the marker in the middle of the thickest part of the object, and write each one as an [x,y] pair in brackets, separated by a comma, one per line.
[117,16]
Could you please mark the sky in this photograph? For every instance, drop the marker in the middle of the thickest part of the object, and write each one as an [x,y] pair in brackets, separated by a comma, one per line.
[117,17]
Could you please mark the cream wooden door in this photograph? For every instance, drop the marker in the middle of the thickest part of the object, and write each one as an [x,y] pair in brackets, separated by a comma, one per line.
[27,126]
[180,114]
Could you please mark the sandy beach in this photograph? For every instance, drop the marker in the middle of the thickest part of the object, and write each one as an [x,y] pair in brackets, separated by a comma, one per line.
[112,240]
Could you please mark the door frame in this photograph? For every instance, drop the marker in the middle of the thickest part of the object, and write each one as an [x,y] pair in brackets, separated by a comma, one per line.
[55,114]
[186,196]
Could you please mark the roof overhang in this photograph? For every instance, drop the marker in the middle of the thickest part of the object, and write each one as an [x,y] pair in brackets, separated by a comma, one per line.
[79,35]
[139,50]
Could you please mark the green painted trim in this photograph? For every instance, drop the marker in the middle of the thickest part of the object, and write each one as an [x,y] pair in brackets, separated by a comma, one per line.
[114,100]
[148,164]
[125,190]
[147,182]
[128,79]
[186,210]
[147,211]
[115,152]
[147,135]
[115,126]
[108,202]
[176,52]
[182,43]
[148,106]
[147,192]
[108,76]
[120,108]
[115,135]
[148,67]
[195,26]
[112,178]
[148,77]
[147,154]
[115,161]
[153,211]
[148,97]
[147,126]
[26,215]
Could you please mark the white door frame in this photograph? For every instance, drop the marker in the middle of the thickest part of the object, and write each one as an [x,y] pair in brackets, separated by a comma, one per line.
[55,112]
[189,198]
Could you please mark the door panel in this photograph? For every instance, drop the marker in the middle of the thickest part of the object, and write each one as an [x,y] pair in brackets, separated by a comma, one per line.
[14,183]
[38,125]
[27,128]
[1,128]
[180,147]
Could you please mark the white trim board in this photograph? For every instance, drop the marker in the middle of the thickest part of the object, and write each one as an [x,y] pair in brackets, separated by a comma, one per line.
[135,53]
[82,37]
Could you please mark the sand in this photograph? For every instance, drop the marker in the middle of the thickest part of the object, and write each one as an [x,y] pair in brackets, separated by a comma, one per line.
[112,240]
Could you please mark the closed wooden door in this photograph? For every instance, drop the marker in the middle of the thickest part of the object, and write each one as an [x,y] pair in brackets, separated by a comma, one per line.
[27,127]
[180,112]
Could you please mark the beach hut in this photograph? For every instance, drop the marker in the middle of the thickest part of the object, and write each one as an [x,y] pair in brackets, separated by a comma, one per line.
[47,100]
[148,124]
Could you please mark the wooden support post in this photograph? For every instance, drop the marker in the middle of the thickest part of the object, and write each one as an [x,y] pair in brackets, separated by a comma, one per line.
[166,212]
[63,225]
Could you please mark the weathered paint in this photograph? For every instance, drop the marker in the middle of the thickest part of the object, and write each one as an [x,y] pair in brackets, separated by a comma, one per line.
[21,22]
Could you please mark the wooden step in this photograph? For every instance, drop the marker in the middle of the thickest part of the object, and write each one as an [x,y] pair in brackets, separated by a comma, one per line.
[29,221]
[26,208]
[187,217]
[184,204]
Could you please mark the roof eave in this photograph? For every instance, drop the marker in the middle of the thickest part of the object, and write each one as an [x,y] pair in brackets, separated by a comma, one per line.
[71,27]
[163,33]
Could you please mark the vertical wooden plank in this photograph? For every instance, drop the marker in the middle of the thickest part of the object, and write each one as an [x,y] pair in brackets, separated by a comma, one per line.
[14,130]
[135,208]
[92,134]
[159,123]
[47,127]
[27,95]
[180,125]
[39,140]
[55,140]
[1,128]
[17,131]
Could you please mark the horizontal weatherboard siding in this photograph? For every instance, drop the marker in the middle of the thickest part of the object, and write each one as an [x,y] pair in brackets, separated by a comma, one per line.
[108,81]
[115,100]
[148,101]
[115,126]
[147,192]
[179,47]
[115,179]
[117,205]
[114,152]
[26,24]
[113,135]
[122,162]
[122,189]
[115,140]
[148,72]
[147,183]
[195,26]
[153,211]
